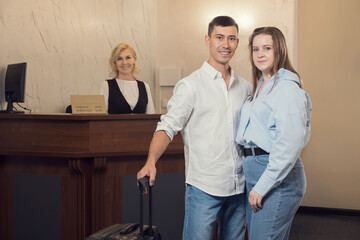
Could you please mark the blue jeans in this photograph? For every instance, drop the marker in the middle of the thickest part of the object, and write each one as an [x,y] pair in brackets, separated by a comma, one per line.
[274,220]
[203,211]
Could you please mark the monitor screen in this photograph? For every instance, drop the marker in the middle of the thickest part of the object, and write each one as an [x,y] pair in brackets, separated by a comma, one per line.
[15,82]
[14,86]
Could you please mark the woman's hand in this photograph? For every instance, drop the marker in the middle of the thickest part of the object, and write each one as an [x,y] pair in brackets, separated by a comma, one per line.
[255,200]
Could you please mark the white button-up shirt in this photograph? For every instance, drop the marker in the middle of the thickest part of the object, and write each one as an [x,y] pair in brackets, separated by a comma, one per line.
[205,111]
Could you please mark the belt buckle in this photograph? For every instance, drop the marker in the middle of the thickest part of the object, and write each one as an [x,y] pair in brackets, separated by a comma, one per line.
[244,152]
[242,149]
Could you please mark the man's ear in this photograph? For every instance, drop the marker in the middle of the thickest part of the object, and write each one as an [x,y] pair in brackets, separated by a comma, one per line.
[207,40]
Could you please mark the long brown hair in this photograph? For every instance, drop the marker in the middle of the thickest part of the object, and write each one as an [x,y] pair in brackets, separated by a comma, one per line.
[281,56]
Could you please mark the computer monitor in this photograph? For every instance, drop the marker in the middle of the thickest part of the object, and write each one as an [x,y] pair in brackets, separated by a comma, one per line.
[14,86]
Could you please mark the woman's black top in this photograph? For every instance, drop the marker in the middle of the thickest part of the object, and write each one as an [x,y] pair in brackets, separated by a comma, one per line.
[117,103]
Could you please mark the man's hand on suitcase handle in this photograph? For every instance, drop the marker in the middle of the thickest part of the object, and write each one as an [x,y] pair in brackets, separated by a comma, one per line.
[143,184]
[149,170]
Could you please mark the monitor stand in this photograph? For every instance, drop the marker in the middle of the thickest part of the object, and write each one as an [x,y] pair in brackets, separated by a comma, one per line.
[10,108]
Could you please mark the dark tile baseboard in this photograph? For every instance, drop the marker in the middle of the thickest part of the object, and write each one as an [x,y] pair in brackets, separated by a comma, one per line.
[328,211]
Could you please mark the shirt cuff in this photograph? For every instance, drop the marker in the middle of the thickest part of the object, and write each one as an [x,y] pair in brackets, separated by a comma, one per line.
[264,185]
[169,133]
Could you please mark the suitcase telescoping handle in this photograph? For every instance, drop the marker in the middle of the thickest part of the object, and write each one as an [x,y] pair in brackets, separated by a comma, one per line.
[144,184]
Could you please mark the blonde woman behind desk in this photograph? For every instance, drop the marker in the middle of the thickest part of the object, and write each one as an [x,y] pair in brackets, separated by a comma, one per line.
[123,93]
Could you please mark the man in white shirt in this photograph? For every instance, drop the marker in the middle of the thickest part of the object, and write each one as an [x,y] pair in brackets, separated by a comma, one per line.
[205,108]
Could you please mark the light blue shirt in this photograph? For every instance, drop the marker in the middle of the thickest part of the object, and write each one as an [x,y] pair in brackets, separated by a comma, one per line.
[205,111]
[278,121]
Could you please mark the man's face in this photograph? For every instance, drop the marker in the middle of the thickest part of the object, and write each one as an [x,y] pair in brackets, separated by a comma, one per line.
[222,43]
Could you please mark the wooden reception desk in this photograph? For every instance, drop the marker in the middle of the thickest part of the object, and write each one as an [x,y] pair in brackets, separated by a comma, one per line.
[77,163]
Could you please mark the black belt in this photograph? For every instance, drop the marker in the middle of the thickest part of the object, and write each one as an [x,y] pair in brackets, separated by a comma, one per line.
[257,151]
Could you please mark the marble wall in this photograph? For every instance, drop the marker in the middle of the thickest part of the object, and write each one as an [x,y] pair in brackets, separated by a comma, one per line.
[67,44]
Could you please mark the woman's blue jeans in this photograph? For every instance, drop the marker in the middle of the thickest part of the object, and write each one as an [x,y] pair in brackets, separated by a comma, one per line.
[203,212]
[279,206]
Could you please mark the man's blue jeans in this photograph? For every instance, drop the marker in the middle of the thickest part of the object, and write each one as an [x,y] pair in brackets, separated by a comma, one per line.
[203,212]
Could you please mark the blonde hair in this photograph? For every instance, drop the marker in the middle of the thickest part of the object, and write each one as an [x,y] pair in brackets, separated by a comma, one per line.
[114,56]
[281,56]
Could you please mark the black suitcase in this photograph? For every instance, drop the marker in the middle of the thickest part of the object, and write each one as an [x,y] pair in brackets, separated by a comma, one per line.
[131,231]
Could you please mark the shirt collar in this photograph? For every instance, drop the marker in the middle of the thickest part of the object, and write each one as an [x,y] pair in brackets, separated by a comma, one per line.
[213,73]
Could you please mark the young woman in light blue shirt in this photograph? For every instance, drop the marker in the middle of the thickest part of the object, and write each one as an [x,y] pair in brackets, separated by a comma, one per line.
[274,128]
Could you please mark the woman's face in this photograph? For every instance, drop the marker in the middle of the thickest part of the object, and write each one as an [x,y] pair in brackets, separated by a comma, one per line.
[125,62]
[263,53]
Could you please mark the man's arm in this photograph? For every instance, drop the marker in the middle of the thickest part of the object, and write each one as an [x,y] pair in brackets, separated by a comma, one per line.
[158,145]
[179,109]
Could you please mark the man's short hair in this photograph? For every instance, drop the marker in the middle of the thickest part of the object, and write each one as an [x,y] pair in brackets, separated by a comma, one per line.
[223,21]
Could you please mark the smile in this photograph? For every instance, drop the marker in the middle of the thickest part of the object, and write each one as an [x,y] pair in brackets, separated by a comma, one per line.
[125,67]
[224,52]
